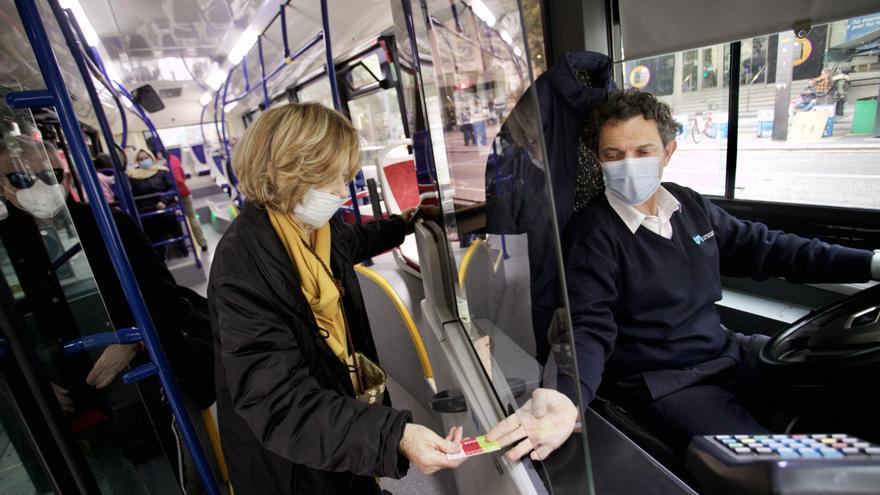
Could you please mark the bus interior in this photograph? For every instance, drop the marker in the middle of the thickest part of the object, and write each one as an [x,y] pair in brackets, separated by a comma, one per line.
[455,105]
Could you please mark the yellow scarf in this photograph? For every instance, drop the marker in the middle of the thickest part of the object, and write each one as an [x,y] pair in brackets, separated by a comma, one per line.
[318,287]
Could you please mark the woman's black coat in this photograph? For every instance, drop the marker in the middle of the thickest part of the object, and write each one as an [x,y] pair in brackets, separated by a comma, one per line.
[288,417]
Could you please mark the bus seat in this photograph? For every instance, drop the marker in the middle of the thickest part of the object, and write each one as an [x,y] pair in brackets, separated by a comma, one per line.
[481,277]
[397,176]
[397,338]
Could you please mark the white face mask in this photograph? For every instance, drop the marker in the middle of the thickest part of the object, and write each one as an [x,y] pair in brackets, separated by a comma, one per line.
[41,200]
[317,208]
[633,180]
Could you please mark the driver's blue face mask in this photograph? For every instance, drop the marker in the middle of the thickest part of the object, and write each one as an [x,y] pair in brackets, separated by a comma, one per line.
[632,180]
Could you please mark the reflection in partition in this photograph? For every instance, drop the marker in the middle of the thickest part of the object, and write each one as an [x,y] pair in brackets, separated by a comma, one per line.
[476,105]
[50,295]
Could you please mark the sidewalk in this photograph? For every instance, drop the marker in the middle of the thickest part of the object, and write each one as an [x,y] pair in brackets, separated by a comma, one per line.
[751,142]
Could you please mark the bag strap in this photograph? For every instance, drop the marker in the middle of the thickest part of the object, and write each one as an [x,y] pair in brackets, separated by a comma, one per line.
[339,287]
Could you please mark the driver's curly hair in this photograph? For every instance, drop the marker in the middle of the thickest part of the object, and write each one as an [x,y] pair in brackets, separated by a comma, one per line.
[623,105]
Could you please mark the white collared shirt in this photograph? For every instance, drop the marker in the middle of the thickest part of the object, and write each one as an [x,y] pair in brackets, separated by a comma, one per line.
[661,224]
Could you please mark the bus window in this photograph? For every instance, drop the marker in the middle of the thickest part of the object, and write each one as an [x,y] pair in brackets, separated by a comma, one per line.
[811,143]
[698,103]
[318,90]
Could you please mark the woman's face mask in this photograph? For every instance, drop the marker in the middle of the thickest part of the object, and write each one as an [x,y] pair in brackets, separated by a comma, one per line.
[317,208]
[41,200]
[632,180]
[145,163]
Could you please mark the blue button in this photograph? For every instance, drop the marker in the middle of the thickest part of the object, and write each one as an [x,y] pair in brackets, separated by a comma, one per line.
[809,453]
[832,454]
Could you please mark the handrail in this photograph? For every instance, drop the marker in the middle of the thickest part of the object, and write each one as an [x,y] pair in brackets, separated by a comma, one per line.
[49,68]
[405,315]
[96,68]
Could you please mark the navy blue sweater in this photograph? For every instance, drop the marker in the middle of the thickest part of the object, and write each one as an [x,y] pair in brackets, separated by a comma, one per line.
[640,302]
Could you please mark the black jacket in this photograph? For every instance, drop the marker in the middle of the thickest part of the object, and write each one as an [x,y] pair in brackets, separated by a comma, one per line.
[288,417]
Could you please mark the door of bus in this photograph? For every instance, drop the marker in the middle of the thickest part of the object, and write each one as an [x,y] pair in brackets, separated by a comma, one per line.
[58,432]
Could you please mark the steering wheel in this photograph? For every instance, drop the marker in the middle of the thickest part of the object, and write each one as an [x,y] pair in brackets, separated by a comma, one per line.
[838,338]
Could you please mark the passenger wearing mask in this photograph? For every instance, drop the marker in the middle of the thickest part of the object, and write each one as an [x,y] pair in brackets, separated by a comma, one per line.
[644,266]
[148,181]
[34,194]
[102,163]
[290,325]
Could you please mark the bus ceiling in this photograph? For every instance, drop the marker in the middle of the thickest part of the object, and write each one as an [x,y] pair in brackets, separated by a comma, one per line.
[653,28]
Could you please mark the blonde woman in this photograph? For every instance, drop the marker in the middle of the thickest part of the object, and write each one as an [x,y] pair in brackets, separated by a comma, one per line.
[287,316]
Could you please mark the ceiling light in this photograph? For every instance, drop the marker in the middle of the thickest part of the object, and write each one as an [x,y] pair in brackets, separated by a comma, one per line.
[242,46]
[483,12]
[216,78]
[84,24]
[517,51]
[206,98]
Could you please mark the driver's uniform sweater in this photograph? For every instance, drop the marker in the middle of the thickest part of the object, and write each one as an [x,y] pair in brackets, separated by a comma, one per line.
[644,304]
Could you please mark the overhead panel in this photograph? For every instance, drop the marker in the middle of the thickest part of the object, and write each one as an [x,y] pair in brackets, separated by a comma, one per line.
[649,27]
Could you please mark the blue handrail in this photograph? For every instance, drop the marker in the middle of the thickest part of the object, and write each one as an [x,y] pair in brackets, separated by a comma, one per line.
[39,40]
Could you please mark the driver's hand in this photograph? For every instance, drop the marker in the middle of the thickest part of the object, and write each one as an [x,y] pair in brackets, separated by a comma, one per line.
[63,397]
[540,426]
[112,361]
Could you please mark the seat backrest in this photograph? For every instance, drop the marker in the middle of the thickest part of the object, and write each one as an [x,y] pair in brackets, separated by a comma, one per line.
[481,276]
[402,353]
[397,175]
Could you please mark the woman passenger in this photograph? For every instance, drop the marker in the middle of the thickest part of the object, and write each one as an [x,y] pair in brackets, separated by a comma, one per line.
[287,316]
[148,181]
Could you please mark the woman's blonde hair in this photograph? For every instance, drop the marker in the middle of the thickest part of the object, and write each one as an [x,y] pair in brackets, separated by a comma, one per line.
[292,148]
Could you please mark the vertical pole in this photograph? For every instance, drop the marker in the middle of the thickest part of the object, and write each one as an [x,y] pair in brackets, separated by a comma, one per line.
[784,68]
[284,31]
[262,73]
[334,90]
[732,120]
[49,68]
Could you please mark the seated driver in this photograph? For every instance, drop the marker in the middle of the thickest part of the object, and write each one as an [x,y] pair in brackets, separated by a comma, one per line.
[644,265]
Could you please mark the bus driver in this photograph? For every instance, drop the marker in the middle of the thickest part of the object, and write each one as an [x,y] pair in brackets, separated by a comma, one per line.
[644,265]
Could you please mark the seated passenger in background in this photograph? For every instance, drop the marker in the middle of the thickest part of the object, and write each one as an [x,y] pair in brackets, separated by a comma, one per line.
[644,266]
[149,179]
[103,162]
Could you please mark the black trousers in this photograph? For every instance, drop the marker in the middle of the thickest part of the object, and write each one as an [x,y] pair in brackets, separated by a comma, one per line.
[725,403]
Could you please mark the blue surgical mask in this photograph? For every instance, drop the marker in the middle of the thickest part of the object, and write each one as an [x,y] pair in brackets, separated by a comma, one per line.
[632,180]
[145,163]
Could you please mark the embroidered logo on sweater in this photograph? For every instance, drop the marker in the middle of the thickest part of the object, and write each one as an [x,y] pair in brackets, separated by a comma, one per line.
[699,239]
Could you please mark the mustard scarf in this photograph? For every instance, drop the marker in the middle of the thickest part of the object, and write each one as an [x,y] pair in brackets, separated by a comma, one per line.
[318,287]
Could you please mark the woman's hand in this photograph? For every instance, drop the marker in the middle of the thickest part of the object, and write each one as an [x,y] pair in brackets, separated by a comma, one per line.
[544,422]
[113,361]
[424,211]
[160,205]
[427,450]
